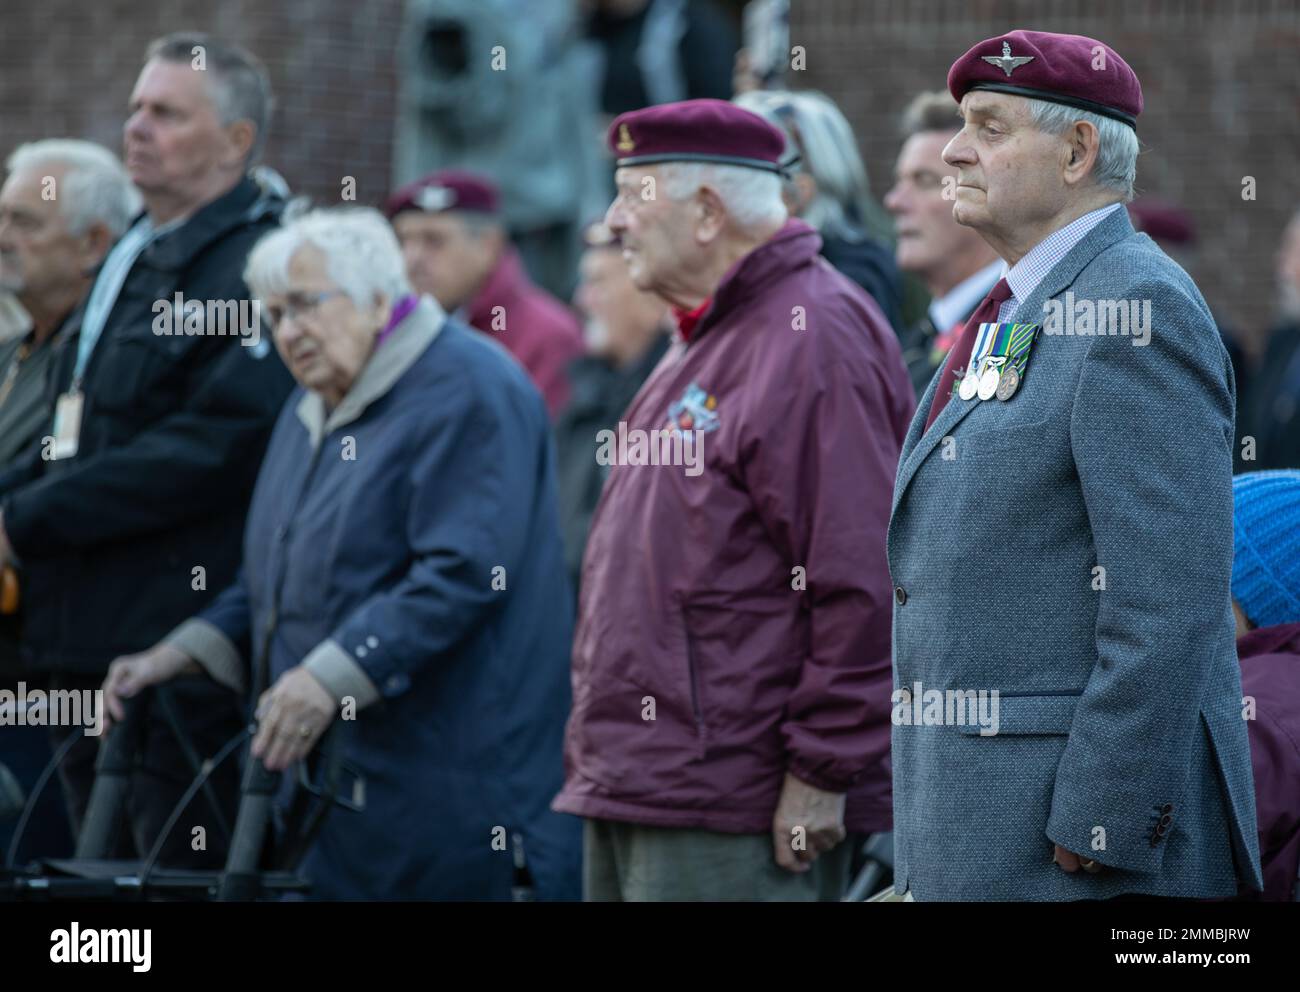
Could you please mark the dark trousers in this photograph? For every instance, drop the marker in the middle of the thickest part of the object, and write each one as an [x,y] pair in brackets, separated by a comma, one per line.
[209,716]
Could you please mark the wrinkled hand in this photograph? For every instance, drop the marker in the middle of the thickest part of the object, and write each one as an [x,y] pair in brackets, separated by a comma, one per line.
[291,716]
[808,822]
[1071,862]
[131,673]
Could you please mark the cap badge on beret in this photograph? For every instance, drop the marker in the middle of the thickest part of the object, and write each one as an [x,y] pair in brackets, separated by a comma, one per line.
[1007,62]
[434,198]
[702,130]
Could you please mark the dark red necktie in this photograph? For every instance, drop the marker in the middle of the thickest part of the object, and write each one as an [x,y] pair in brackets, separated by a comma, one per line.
[959,354]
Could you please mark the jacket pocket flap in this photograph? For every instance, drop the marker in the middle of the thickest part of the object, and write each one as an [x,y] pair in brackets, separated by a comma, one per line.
[1038,714]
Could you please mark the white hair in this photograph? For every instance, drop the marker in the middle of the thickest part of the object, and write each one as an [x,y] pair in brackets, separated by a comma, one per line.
[95,187]
[1117,143]
[751,197]
[361,252]
[818,133]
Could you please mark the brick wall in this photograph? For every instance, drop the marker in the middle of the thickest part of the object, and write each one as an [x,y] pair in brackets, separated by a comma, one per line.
[1221,79]
[67,68]
[1221,82]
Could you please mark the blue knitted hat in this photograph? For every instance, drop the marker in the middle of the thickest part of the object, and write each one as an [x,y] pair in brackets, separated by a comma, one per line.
[1266,552]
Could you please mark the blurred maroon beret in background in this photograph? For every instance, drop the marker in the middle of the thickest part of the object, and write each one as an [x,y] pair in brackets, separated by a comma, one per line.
[448,189]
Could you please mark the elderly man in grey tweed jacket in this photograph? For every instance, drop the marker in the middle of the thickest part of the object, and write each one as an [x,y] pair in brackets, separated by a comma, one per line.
[1068,719]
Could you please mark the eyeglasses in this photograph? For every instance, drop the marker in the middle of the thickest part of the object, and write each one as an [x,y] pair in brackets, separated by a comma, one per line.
[298,305]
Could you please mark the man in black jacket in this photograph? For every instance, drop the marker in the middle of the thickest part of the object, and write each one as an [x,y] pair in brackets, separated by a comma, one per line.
[129,515]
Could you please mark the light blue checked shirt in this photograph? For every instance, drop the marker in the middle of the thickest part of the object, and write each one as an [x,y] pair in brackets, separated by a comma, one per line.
[1025,275]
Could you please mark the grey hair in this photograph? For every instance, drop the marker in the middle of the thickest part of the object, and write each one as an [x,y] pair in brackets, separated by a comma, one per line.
[1117,143]
[752,197]
[361,252]
[95,187]
[241,87]
[818,132]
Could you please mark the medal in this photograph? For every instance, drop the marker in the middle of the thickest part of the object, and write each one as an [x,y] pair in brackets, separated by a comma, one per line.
[969,386]
[989,383]
[1009,384]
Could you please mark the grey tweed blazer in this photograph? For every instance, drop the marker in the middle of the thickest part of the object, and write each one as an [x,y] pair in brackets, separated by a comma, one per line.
[1120,730]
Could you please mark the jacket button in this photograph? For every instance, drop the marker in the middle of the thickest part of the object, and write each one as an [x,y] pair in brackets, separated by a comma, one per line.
[1166,809]
[1165,821]
[900,594]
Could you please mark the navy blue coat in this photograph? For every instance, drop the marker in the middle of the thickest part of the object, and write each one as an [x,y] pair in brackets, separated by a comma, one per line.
[393,538]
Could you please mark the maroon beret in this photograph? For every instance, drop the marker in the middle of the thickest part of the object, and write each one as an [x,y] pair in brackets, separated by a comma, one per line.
[1062,68]
[450,189]
[1162,220]
[696,131]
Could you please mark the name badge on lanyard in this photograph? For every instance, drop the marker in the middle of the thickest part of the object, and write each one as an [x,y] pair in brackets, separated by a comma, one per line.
[67,423]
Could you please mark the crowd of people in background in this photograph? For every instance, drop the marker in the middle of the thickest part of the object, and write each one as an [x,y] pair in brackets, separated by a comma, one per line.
[392,500]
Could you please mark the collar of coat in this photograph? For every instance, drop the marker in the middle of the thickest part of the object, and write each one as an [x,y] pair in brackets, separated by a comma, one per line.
[244,203]
[793,245]
[389,363]
[506,282]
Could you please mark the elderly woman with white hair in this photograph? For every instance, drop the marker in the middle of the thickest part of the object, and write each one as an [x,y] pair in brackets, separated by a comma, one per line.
[826,186]
[403,570]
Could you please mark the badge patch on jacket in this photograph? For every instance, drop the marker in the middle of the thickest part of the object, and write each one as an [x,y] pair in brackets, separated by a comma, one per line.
[998,361]
[695,411]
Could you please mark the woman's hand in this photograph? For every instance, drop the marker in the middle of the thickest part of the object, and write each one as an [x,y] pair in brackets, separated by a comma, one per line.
[291,716]
[130,673]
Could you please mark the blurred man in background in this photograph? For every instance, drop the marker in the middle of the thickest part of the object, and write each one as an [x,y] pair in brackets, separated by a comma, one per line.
[626,333]
[457,250]
[62,206]
[955,263]
[1271,410]
[123,524]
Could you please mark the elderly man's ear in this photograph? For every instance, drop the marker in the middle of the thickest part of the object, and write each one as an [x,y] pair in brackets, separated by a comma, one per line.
[1082,144]
[711,215]
[240,136]
[92,246]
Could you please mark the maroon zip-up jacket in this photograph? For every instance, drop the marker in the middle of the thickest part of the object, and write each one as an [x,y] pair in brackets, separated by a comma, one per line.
[1270,675]
[541,332]
[734,623]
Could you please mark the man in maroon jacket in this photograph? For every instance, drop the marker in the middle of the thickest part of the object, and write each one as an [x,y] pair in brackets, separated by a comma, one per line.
[457,251]
[731,666]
